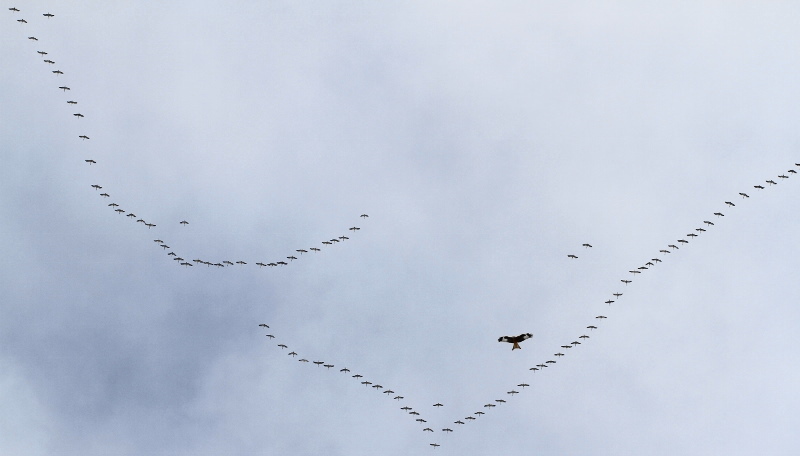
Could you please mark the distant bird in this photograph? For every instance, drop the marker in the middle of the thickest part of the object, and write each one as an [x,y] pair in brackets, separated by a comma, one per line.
[291,258]
[364,215]
[260,265]
[64,88]
[479,413]
[301,251]
[438,405]
[772,182]
[702,230]
[377,386]
[708,223]
[357,376]
[434,445]
[319,363]
[664,251]
[33,38]
[314,249]
[591,327]
[90,161]
[601,317]
[515,340]
[583,337]
[158,241]
[550,362]
[617,295]
[572,256]
[609,302]
[744,195]
[22,21]
[470,418]
[49,61]
[72,102]
[626,281]
[523,385]
[329,366]
[673,246]
[500,401]
[241,262]
[534,369]
[719,214]
[783,176]
[489,405]
[427,429]
[398,397]
[691,235]
[303,360]
[264,325]
[83,137]
[792,171]
[355,228]
[729,203]
[447,430]
[13,10]
[184,222]
[41,52]
[587,245]
[760,187]
[282,346]
[405,408]
[512,392]
[96,187]
[48,15]
[683,241]
[344,370]
[57,72]
[292,354]
[559,354]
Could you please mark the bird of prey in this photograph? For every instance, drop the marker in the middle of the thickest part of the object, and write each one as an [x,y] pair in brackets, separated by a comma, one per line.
[515,340]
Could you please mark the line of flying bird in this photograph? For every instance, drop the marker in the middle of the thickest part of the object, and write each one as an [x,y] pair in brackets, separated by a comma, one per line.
[132,216]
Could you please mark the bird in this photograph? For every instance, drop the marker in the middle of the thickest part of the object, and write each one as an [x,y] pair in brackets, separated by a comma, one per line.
[500,401]
[729,203]
[184,222]
[744,195]
[57,72]
[398,397]
[591,327]
[620,294]
[683,241]
[434,445]
[13,9]
[783,176]
[427,429]
[64,88]
[264,325]
[90,161]
[534,369]
[664,251]
[719,214]
[22,21]
[479,413]
[438,405]
[609,302]
[405,408]
[292,354]
[79,115]
[364,215]
[626,281]
[792,171]
[355,228]
[708,223]
[559,354]
[41,52]
[344,370]
[572,256]
[357,376]
[583,337]
[72,102]
[601,317]
[83,137]
[673,246]
[523,385]
[515,340]
[96,187]
[291,258]
[587,245]
[48,15]
[772,182]
[512,392]
[282,346]
[49,61]
[33,38]
[447,430]
[314,249]
[319,363]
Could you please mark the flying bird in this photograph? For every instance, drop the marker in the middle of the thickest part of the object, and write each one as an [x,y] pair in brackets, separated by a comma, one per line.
[515,340]
[572,256]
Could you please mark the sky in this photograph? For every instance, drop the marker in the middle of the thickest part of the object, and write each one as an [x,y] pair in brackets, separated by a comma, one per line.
[486,141]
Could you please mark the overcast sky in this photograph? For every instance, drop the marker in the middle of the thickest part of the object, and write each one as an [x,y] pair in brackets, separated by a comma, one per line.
[486,141]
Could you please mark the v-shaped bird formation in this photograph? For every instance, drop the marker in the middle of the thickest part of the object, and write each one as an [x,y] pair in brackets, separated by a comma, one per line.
[395,397]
